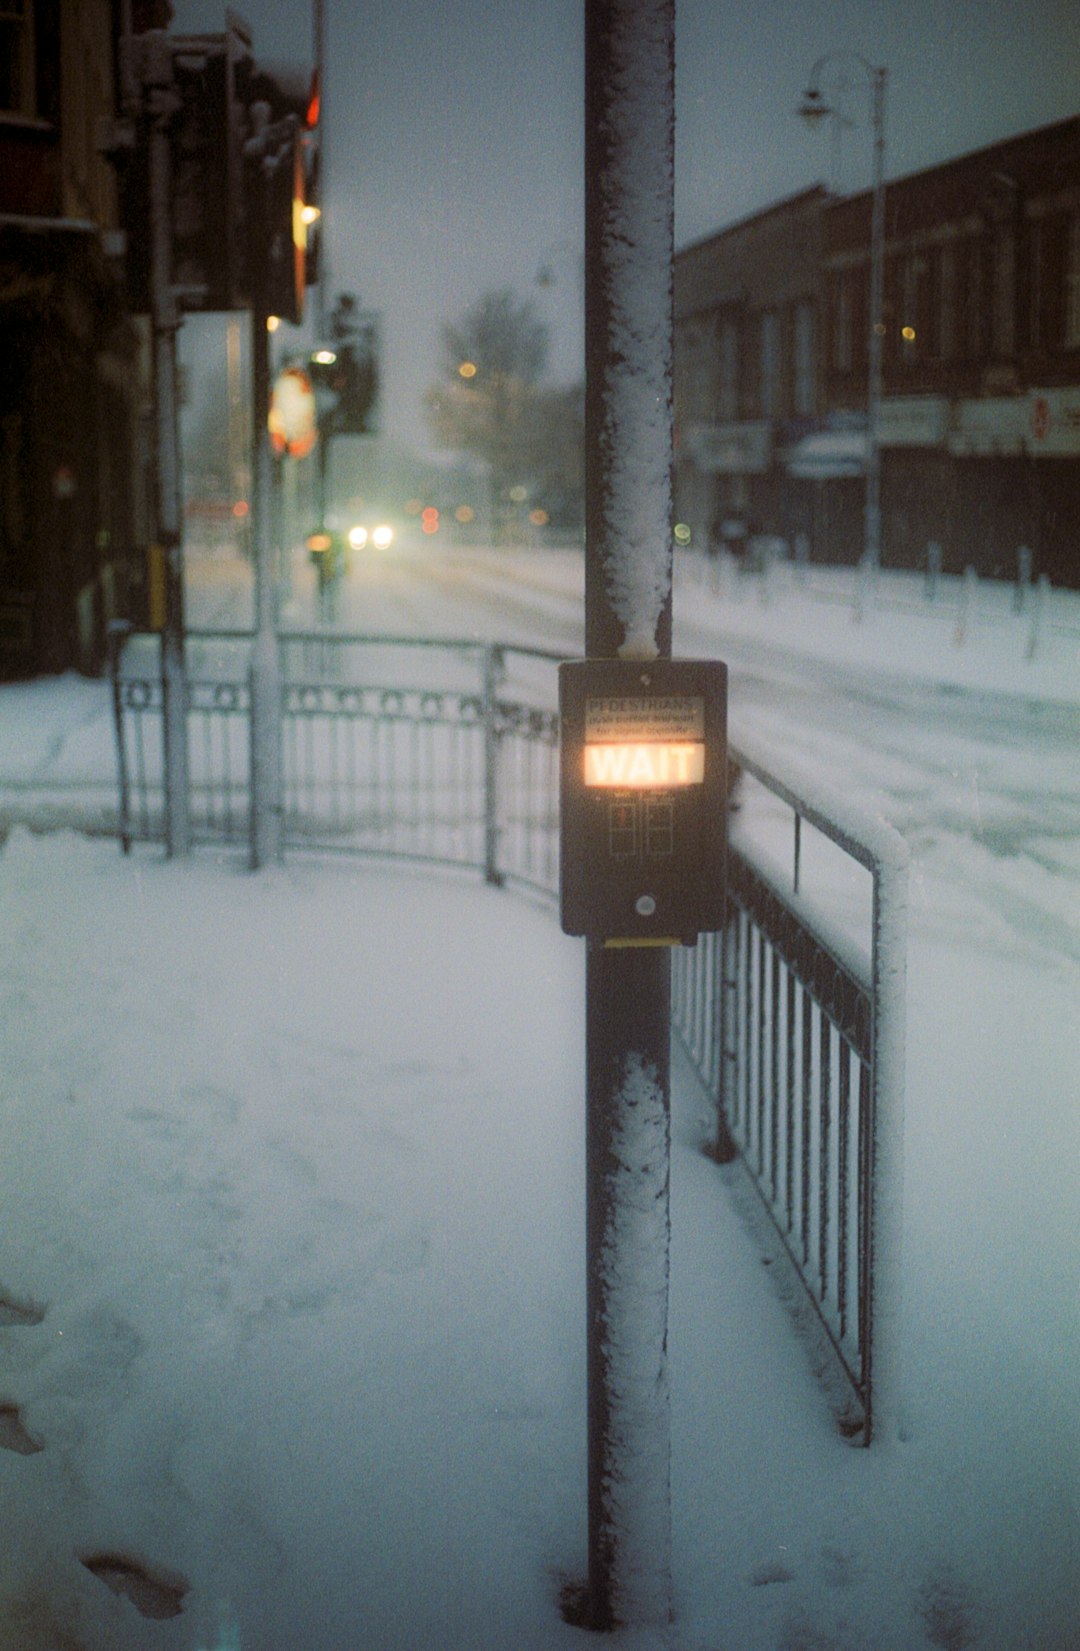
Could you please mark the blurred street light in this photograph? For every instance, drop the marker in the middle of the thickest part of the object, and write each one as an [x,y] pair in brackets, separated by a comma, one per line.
[813,109]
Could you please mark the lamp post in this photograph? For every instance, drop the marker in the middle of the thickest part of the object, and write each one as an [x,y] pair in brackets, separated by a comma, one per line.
[813,109]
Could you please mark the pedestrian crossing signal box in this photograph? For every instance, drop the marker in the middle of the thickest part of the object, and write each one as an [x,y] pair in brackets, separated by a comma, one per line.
[643,828]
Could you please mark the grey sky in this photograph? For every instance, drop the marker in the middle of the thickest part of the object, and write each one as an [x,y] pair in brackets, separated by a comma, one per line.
[455,145]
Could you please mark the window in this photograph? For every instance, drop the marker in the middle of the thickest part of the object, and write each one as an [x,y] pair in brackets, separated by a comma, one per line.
[973,298]
[804,388]
[1004,292]
[842,336]
[17,89]
[1072,284]
[946,307]
[727,388]
[770,364]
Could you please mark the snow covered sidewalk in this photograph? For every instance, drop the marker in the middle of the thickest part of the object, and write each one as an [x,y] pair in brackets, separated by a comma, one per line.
[291,1291]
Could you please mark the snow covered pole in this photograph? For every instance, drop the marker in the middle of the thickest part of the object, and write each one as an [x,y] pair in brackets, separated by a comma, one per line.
[156,71]
[629,206]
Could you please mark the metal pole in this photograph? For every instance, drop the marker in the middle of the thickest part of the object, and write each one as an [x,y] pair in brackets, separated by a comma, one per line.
[165,321]
[877,328]
[493,665]
[319,47]
[265,668]
[629,196]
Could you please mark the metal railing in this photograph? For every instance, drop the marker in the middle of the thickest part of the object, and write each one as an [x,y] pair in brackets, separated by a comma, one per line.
[793,1027]
[458,770]
[795,1030]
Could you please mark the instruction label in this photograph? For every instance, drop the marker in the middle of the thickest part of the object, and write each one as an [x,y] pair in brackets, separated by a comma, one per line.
[675,718]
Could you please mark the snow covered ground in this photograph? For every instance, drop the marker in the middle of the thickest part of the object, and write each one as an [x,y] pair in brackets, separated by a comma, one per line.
[291,1263]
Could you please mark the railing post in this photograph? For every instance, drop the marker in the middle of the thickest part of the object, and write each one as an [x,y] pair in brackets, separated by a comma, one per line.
[723,1148]
[265,678]
[119,631]
[885,1271]
[493,667]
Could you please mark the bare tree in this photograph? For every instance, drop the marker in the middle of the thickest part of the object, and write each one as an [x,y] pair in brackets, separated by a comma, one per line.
[486,398]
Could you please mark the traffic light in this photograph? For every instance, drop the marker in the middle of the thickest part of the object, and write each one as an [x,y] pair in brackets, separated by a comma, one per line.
[207,203]
[243,154]
[345,372]
[196,78]
[282,112]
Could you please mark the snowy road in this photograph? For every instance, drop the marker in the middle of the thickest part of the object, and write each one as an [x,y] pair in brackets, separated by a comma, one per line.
[990,761]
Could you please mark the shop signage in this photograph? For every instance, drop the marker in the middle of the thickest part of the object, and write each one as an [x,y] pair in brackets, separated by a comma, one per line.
[991,427]
[1053,423]
[731,449]
[913,421]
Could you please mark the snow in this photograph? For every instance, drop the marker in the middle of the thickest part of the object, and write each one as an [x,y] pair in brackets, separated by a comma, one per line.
[292,1266]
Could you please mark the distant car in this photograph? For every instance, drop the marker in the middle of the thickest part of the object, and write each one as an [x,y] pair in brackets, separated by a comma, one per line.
[374,535]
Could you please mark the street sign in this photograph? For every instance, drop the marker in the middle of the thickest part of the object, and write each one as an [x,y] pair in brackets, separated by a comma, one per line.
[642,806]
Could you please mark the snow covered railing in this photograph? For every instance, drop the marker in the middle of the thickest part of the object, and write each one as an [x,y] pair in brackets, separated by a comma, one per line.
[796,1030]
[457,768]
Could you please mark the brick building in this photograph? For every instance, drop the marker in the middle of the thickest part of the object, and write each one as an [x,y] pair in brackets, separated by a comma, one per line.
[980,417]
[71,392]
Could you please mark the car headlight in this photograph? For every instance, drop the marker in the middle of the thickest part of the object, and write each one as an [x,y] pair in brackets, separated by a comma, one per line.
[383,537]
[358,537]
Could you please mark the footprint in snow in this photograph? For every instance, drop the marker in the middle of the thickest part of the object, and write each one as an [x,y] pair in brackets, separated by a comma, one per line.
[19,1312]
[13,1436]
[154,1592]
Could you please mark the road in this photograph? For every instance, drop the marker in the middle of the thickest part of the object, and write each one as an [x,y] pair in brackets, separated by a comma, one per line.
[983,783]
[1000,766]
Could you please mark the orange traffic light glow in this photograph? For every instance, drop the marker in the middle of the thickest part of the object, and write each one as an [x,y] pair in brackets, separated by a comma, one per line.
[644,766]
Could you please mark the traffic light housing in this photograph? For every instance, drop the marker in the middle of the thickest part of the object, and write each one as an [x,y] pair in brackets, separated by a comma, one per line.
[345,372]
[280,166]
[243,150]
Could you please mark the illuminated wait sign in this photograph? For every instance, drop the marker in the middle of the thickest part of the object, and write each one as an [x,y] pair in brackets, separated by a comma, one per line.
[641,766]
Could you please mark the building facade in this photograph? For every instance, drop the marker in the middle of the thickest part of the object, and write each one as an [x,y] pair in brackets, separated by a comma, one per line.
[73,394]
[979,429]
[747,306]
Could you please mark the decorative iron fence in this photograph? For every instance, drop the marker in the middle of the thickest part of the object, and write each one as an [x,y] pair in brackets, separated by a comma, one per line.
[458,771]
[794,1030]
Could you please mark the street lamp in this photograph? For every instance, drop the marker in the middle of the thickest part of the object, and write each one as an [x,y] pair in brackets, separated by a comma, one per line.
[813,109]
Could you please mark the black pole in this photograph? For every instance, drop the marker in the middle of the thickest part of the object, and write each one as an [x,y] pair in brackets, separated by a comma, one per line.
[629,196]
[158,90]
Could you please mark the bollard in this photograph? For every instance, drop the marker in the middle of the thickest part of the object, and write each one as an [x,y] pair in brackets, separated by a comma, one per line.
[1024,562]
[967,603]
